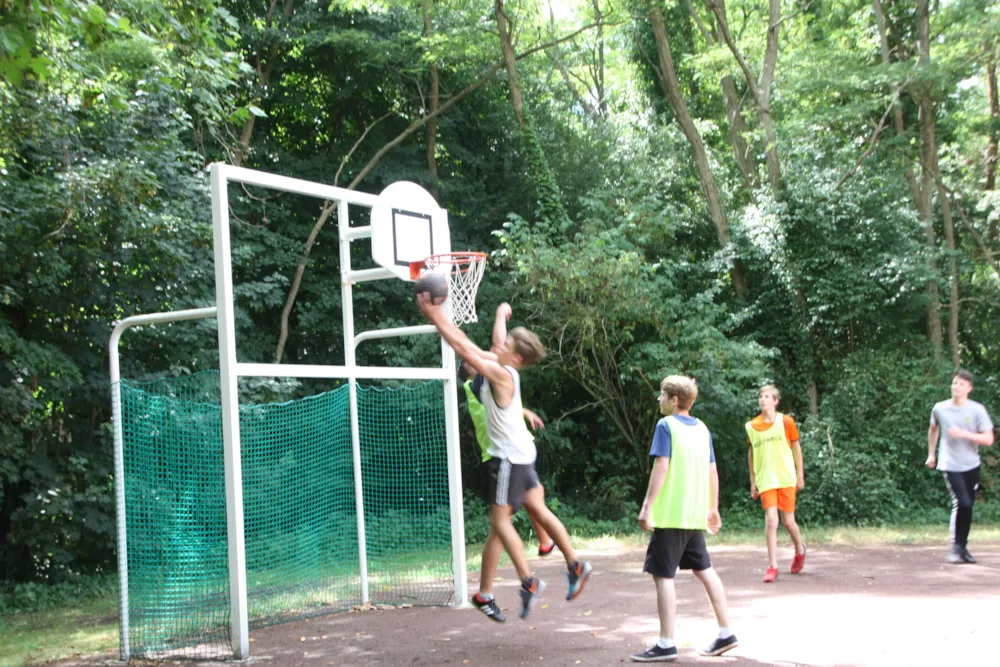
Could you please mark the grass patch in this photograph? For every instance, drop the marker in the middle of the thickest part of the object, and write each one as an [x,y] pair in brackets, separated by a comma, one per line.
[833,535]
[58,633]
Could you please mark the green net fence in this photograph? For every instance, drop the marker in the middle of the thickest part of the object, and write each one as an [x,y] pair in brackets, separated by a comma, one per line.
[300,517]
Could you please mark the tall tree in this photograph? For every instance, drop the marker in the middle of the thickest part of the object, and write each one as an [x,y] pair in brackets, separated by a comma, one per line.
[672,90]
[759,87]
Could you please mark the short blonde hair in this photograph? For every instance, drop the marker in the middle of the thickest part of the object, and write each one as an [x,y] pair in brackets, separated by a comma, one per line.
[527,345]
[683,387]
[771,389]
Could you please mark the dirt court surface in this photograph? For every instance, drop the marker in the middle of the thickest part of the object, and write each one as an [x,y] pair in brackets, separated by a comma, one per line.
[898,605]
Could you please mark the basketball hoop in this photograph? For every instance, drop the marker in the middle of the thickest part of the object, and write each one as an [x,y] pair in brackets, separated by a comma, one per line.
[464,271]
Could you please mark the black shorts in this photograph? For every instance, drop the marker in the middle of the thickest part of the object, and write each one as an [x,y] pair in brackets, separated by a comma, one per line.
[509,482]
[672,548]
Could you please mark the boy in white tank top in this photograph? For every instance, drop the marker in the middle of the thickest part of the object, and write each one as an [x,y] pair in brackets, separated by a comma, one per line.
[513,480]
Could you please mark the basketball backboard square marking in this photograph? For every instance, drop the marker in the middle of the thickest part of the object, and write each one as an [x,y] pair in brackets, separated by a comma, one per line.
[412,236]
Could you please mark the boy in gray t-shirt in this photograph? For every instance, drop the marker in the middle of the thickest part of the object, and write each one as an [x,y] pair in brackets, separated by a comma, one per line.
[963,426]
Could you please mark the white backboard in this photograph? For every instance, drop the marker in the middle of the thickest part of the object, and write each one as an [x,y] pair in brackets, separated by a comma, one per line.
[407,226]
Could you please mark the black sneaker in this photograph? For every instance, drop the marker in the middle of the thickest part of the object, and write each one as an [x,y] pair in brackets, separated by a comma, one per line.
[530,590]
[967,557]
[955,555]
[656,654]
[577,576]
[489,607]
[720,646]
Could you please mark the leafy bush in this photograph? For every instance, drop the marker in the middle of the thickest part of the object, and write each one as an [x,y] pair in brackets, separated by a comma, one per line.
[27,597]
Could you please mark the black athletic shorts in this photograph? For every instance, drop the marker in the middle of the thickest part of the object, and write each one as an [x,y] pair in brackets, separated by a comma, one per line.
[672,548]
[509,482]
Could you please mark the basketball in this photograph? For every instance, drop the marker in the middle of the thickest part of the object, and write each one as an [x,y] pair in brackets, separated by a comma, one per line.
[435,284]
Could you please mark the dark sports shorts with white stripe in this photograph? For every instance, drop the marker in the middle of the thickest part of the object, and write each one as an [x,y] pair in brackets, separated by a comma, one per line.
[509,482]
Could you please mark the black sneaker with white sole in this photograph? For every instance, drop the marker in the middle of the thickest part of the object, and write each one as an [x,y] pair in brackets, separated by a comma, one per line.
[489,607]
[720,646]
[656,654]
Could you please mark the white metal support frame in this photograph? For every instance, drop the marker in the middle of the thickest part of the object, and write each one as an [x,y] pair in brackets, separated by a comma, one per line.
[116,420]
[231,369]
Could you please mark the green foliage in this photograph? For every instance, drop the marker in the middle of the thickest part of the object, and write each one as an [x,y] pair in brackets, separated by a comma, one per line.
[594,215]
[29,596]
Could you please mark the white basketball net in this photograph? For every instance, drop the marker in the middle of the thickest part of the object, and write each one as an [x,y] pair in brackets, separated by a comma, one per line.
[464,271]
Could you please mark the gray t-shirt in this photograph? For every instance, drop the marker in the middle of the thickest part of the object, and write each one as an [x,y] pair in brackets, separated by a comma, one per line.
[959,454]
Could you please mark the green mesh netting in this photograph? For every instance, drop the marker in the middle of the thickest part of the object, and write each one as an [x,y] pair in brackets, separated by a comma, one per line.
[300,518]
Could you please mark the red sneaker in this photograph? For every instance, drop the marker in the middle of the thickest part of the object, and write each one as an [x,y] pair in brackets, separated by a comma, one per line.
[772,574]
[799,561]
[545,551]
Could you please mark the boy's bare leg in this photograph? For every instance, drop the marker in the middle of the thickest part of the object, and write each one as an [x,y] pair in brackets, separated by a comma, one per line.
[501,525]
[544,539]
[716,594]
[491,559]
[534,502]
[771,533]
[666,605]
[788,518]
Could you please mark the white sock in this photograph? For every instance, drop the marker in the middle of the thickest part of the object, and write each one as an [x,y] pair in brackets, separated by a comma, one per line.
[485,596]
[724,633]
[665,642]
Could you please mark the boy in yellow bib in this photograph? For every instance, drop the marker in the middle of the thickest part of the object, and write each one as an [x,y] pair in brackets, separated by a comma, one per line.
[682,502]
[775,474]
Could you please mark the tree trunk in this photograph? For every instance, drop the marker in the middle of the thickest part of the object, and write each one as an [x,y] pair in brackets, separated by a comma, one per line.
[602,102]
[561,66]
[507,48]
[764,99]
[897,110]
[949,238]
[994,112]
[928,160]
[746,162]
[430,131]
[760,89]
[738,131]
[264,71]
[672,89]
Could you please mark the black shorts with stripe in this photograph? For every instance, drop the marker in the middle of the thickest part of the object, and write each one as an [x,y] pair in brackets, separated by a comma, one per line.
[509,482]
[673,548]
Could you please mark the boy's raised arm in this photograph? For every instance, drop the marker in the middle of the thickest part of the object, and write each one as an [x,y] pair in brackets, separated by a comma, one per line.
[484,363]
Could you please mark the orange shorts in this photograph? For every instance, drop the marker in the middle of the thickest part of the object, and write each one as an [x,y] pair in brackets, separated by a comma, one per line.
[784,498]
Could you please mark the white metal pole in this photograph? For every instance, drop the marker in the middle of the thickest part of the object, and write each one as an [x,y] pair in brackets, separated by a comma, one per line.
[347,308]
[238,616]
[455,499]
[116,420]
[119,443]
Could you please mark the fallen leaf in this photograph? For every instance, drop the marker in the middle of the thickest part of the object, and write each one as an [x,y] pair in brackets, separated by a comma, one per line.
[578,662]
[532,628]
[302,639]
[251,639]
[447,639]
[593,633]
[465,662]
[588,613]
[545,606]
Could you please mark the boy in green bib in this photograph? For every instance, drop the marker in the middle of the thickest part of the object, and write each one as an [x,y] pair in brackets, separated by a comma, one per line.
[682,502]
[477,411]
